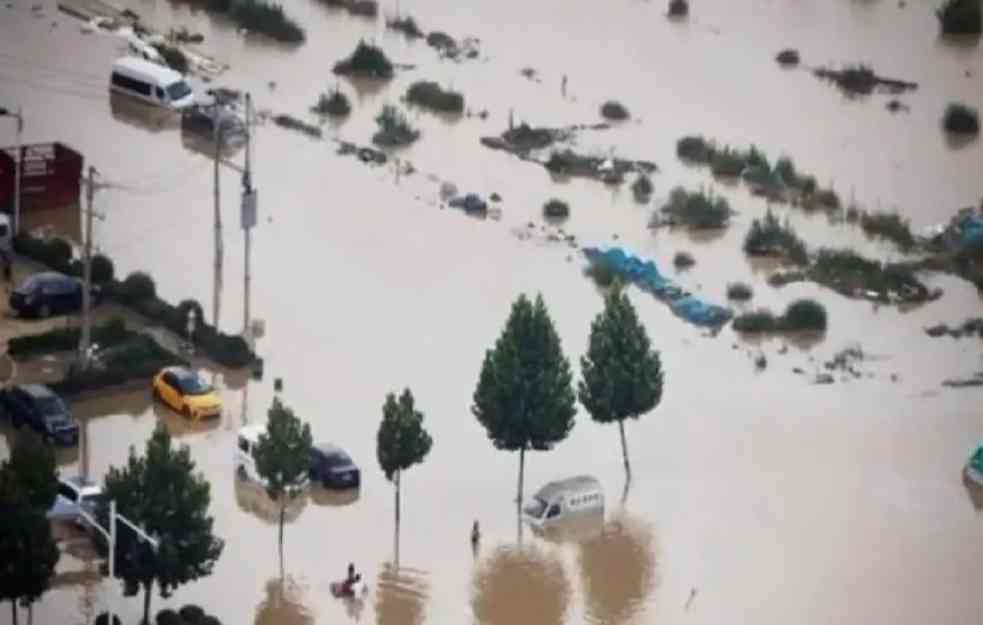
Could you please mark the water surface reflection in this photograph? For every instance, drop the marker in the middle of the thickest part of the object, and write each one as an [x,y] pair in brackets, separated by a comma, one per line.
[400,595]
[518,586]
[252,499]
[283,604]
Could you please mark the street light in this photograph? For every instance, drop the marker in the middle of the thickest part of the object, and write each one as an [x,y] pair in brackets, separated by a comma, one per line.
[110,536]
[20,129]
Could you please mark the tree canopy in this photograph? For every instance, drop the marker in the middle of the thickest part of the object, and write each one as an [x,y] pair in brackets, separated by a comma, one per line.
[402,440]
[622,374]
[162,493]
[31,471]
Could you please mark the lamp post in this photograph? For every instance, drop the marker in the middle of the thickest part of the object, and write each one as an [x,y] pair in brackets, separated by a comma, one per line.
[110,535]
[20,129]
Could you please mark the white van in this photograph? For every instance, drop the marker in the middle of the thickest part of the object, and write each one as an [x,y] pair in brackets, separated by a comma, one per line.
[151,83]
[564,500]
[245,459]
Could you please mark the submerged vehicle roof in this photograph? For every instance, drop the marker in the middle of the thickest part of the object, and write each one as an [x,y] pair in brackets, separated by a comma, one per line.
[577,484]
[141,67]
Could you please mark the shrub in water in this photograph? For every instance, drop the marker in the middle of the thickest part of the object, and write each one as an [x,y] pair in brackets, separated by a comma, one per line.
[683,260]
[739,291]
[137,288]
[336,104]
[173,56]
[804,314]
[103,269]
[168,617]
[58,251]
[694,148]
[697,209]
[394,128]
[961,17]
[602,273]
[430,95]
[556,209]
[367,60]
[961,119]
[769,236]
[788,56]
[112,332]
[728,162]
[756,321]
[267,19]
[406,25]
[614,110]
[191,614]
[642,188]
[889,225]
[678,8]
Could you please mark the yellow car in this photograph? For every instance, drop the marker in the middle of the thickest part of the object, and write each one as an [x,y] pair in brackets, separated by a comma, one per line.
[186,392]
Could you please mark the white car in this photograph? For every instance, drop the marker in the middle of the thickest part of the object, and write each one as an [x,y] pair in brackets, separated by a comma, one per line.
[245,461]
[75,494]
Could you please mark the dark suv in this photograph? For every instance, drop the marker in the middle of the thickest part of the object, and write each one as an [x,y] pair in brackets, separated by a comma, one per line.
[38,406]
[48,293]
[333,467]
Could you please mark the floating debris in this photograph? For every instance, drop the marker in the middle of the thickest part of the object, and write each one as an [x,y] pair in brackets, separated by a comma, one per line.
[288,121]
[860,79]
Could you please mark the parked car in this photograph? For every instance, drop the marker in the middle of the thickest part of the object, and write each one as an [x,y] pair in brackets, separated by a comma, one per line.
[333,467]
[38,406]
[75,494]
[186,392]
[201,119]
[49,293]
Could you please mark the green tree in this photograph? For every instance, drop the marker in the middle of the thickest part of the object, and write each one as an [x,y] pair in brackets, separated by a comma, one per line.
[28,552]
[622,374]
[524,397]
[31,472]
[162,493]
[283,458]
[402,440]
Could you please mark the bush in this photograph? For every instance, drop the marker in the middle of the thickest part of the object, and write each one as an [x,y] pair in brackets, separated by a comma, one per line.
[103,619]
[168,617]
[137,288]
[804,314]
[367,60]
[336,104]
[788,56]
[138,358]
[642,188]
[889,225]
[58,251]
[683,260]
[364,8]
[173,56]
[847,272]
[430,95]
[697,209]
[960,17]
[191,614]
[771,237]
[739,291]
[107,334]
[678,8]
[728,162]
[556,209]
[103,269]
[757,321]
[961,119]
[602,273]
[267,19]
[210,620]
[406,25]
[694,148]
[614,110]
[394,128]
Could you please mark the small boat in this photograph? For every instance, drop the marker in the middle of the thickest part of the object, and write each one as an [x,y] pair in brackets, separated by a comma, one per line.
[974,468]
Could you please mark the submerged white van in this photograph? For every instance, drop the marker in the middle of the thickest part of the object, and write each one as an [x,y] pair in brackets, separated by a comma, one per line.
[151,83]
[564,500]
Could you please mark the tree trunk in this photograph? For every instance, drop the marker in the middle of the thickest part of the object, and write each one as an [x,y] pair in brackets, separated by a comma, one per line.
[282,512]
[13,610]
[30,614]
[522,468]
[624,448]
[396,543]
[146,603]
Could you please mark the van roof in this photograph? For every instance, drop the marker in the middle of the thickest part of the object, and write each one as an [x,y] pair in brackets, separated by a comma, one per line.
[140,67]
[252,431]
[577,484]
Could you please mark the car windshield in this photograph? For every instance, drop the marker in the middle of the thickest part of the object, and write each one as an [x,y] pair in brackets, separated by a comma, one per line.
[178,90]
[51,407]
[337,459]
[193,385]
[535,508]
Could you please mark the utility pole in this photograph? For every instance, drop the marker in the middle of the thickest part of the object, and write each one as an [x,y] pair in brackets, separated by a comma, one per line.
[17,162]
[217,130]
[84,344]
[248,216]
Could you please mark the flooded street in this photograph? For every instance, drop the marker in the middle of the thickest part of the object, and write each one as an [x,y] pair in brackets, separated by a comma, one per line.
[756,495]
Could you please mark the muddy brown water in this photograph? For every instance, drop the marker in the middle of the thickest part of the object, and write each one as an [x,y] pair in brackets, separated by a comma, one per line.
[756,496]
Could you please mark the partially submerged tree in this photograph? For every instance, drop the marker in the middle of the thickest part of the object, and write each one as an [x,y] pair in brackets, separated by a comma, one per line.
[283,458]
[28,552]
[31,472]
[402,440]
[622,374]
[162,493]
[524,397]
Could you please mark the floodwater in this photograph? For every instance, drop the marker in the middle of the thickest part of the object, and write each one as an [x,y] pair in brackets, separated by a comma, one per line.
[756,496]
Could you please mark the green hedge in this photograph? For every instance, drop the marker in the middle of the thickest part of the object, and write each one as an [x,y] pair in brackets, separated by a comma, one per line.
[57,254]
[139,358]
[108,334]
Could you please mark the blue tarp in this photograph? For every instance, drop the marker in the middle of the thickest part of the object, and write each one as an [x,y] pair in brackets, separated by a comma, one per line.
[645,275]
[972,232]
